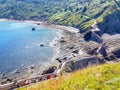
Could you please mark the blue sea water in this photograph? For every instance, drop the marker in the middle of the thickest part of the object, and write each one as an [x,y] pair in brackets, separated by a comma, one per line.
[19,45]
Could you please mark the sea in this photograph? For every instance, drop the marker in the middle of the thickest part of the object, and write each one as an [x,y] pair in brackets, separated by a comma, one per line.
[20,46]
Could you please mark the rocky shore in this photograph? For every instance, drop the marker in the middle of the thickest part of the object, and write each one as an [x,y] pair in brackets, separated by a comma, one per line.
[32,70]
[75,53]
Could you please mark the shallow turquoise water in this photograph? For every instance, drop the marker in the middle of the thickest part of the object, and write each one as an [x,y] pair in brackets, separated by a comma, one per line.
[19,45]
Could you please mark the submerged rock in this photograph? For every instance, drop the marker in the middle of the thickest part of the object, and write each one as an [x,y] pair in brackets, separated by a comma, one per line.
[3,76]
[17,72]
[41,45]
[33,29]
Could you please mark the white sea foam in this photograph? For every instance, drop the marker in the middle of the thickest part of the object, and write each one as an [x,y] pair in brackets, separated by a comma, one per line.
[27,47]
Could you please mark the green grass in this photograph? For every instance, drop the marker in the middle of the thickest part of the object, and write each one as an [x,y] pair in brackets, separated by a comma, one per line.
[102,77]
[64,12]
[65,18]
[86,25]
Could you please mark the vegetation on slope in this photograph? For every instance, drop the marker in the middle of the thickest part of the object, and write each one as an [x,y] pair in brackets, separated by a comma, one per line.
[102,77]
[76,13]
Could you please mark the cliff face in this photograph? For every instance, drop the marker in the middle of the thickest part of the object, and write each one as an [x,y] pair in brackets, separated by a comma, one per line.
[71,66]
[111,23]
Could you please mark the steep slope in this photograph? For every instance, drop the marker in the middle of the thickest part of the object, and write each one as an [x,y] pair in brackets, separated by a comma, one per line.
[103,77]
[76,13]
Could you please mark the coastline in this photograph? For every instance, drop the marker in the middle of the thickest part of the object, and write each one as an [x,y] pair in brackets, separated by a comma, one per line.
[55,43]
[45,24]
[71,46]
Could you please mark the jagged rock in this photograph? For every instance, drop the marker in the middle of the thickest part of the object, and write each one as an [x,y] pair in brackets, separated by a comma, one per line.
[59,60]
[75,51]
[3,74]
[102,50]
[93,51]
[91,35]
[4,77]
[50,70]
[110,57]
[64,58]
[82,63]
[31,71]
[113,55]
[72,47]
[116,52]
[96,37]
[41,44]
[9,80]
[62,41]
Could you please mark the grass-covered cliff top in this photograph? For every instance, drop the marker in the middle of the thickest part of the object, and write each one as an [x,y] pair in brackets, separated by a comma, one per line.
[102,77]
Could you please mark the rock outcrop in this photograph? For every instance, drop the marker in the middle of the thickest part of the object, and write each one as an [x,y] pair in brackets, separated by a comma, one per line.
[50,70]
[70,66]
[116,52]
[92,35]
[102,50]
[110,24]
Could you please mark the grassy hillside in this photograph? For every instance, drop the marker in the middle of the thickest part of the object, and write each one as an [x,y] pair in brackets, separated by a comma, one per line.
[103,77]
[76,13]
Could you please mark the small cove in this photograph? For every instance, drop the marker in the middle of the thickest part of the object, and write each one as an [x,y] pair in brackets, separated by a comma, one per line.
[20,46]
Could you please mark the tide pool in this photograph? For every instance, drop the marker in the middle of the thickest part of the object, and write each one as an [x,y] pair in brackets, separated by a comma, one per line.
[20,46]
